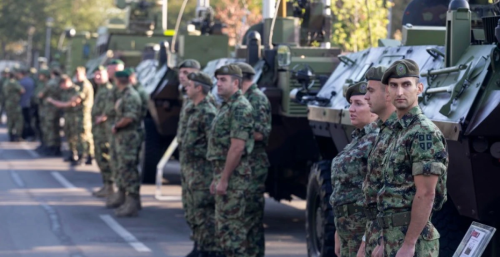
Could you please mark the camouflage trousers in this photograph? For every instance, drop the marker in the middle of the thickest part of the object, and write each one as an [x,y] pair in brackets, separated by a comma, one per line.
[350,230]
[260,166]
[201,208]
[51,128]
[373,232]
[79,135]
[125,149]
[427,243]
[15,121]
[102,152]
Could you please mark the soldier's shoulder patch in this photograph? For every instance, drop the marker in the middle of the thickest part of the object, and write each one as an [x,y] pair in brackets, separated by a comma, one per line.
[425,140]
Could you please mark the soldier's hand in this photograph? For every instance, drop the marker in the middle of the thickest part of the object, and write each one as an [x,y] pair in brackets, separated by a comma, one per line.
[361,250]
[221,187]
[113,130]
[258,136]
[337,244]
[378,251]
[212,187]
[407,250]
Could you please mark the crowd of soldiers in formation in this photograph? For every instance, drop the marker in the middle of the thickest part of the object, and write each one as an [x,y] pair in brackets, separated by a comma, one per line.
[386,182]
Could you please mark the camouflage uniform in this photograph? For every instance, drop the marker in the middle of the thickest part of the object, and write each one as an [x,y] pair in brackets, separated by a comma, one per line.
[127,141]
[100,133]
[37,106]
[374,181]
[2,97]
[70,120]
[198,174]
[234,220]
[144,110]
[110,112]
[51,115]
[12,92]
[86,142]
[348,173]
[418,148]
[262,118]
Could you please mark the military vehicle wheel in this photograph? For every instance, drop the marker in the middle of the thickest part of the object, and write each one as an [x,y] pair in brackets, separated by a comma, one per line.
[451,226]
[320,227]
[153,151]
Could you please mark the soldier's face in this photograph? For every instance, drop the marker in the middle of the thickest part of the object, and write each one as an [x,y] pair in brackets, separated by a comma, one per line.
[42,77]
[101,77]
[80,75]
[183,73]
[226,86]
[112,69]
[132,79]
[192,90]
[404,92]
[376,96]
[65,84]
[359,112]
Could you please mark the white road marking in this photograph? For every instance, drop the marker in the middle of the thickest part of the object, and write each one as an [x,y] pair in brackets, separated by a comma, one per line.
[127,236]
[17,179]
[64,182]
[30,151]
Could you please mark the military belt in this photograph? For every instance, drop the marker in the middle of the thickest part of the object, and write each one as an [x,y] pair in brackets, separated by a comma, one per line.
[394,220]
[347,210]
[371,211]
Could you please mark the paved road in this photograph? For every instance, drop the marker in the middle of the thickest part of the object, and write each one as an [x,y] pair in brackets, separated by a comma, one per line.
[46,210]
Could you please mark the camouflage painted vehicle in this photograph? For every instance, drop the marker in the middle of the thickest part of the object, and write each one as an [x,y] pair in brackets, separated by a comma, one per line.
[460,68]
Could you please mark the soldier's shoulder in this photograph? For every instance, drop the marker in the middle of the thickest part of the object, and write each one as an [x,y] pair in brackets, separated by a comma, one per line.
[424,126]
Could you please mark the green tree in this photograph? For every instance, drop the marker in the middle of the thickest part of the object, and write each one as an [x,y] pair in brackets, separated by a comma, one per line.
[358,24]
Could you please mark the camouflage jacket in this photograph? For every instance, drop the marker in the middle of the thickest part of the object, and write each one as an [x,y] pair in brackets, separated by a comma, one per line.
[12,92]
[183,117]
[233,120]
[349,166]
[100,100]
[86,94]
[109,105]
[40,85]
[144,99]
[374,177]
[418,148]
[261,115]
[128,105]
[52,90]
[2,82]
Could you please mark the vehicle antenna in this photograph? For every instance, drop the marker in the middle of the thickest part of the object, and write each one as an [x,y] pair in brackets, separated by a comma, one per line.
[272,24]
[177,24]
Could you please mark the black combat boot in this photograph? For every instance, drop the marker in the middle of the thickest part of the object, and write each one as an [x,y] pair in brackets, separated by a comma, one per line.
[89,160]
[57,151]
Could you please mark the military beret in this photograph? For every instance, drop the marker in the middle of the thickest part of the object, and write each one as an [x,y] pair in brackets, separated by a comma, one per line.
[401,69]
[375,73]
[355,89]
[189,63]
[246,68]
[99,68]
[116,62]
[44,72]
[230,69]
[130,71]
[122,74]
[201,77]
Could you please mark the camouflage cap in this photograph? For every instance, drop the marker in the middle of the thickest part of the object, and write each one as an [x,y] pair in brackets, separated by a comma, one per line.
[130,71]
[122,74]
[401,69]
[44,72]
[116,62]
[230,69]
[246,68]
[189,63]
[201,77]
[375,73]
[99,68]
[356,89]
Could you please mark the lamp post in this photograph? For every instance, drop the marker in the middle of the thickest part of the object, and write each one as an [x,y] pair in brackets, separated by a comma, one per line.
[31,31]
[49,23]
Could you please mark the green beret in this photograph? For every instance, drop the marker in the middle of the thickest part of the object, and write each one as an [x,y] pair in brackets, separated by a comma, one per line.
[355,89]
[246,68]
[44,72]
[190,63]
[122,74]
[230,69]
[401,69]
[375,73]
[116,62]
[201,77]
[99,68]
[130,71]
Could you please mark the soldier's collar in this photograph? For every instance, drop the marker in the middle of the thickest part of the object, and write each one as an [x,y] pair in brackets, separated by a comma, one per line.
[393,118]
[408,118]
[370,128]
[201,103]
[358,133]
[235,96]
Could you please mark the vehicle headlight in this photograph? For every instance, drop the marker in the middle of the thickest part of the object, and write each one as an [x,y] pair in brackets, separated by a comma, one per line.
[284,56]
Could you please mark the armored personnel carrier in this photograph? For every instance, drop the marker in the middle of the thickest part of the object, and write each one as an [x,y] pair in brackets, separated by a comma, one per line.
[459,59]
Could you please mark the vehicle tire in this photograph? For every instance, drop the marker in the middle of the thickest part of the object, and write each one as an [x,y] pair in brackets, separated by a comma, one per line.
[153,151]
[451,227]
[320,224]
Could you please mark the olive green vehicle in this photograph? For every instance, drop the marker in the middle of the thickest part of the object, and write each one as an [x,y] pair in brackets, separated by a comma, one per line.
[459,59]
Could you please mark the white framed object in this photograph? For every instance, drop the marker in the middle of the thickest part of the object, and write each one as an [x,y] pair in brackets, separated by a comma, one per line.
[475,240]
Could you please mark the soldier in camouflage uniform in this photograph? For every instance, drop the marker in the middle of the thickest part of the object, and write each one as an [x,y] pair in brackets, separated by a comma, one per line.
[43,77]
[380,104]
[12,91]
[197,170]
[100,131]
[87,90]
[50,121]
[260,163]
[414,169]
[230,146]
[126,146]
[144,105]
[348,173]
[5,78]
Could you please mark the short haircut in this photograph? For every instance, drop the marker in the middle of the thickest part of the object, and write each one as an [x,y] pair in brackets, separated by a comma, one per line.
[204,88]
[247,77]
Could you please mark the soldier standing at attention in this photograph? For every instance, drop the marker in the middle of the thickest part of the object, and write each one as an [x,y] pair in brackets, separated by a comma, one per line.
[414,169]
[86,141]
[380,104]
[37,105]
[51,125]
[229,149]
[100,133]
[260,163]
[348,173]
[197,169]
[126,146]
[13,91]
